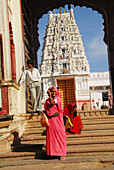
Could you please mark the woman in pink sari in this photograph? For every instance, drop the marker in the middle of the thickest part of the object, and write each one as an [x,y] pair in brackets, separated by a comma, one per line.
[55,132]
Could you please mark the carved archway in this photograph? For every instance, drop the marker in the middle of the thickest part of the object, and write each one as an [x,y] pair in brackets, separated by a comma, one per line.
[104,7]
[81,3]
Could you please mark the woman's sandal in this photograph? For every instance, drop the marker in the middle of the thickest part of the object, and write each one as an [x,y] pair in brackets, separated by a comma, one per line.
[61,158]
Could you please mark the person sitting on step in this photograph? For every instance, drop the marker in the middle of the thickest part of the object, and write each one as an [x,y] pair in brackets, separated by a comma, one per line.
[76,124]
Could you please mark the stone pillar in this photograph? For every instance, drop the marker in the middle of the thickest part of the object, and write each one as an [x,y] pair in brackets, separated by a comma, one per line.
[111,72]
[91,104]
[110,31]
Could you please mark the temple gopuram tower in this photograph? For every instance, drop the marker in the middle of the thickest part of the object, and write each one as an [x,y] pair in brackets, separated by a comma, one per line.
[64,63]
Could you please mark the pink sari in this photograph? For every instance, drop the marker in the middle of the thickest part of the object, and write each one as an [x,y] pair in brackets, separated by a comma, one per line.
[55,132]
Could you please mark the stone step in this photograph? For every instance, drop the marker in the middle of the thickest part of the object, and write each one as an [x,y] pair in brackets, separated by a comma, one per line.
[2,133]
[91,148]
[33,126]
[76,162]
[13,155]
[38,139]
[29,155]
[104,133]
[105,138]
[30,106]
[97,136]
[36,123]
[109,117]
[29,110]
[5,124]
[85,141]
[96,140]
[82,141]
[17,156]
[33,130]
[86,122]
[108,147]
[96,122]
[86,127]
[72,141]
[98,118]
[85,133]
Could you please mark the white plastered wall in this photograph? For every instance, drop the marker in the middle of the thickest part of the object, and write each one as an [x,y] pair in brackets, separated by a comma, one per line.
[15,18]
[11,13]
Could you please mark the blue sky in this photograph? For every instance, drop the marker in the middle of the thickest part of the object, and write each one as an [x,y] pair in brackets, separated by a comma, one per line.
[90,24]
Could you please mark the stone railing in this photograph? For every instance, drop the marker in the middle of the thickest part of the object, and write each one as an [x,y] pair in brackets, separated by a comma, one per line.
[93,113]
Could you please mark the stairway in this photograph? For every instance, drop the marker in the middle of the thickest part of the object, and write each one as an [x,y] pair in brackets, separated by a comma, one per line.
[96,143]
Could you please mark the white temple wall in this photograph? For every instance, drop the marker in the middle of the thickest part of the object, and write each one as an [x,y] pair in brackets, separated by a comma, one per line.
[82,88]
[19,55]
[11,12]
[97,96]
[99,80]
[15,19]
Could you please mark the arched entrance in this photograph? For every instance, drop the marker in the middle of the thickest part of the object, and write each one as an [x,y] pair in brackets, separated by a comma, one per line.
[105,8]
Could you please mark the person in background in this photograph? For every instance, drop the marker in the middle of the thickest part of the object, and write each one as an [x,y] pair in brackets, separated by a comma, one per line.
[71,112]
[55,132]
[33,78]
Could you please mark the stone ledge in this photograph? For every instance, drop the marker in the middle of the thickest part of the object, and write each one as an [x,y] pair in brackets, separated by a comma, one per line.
[5,144]
[9,83]
[13,133]
[5,124]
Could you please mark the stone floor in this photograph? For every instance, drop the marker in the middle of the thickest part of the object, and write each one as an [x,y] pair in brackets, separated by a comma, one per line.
[69,163]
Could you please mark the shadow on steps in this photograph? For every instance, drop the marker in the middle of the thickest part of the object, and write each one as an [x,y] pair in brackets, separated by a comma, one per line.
[36,148]
[28,148]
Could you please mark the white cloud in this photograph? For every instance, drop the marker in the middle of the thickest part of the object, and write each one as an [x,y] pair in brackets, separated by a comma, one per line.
[97,49]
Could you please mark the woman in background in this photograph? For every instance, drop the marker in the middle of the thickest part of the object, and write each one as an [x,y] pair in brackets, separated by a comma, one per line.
[71,112]
[55,132]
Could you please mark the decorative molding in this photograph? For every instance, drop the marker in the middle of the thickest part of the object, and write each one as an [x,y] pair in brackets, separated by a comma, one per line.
[99,75]
[9,84]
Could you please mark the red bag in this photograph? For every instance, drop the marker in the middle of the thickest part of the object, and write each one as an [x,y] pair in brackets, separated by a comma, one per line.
[44,120]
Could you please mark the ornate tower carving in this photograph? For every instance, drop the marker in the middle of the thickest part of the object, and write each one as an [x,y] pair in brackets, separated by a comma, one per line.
[63,50]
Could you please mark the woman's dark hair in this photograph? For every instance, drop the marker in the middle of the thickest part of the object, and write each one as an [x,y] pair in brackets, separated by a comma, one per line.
[74,106]
[58,88]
